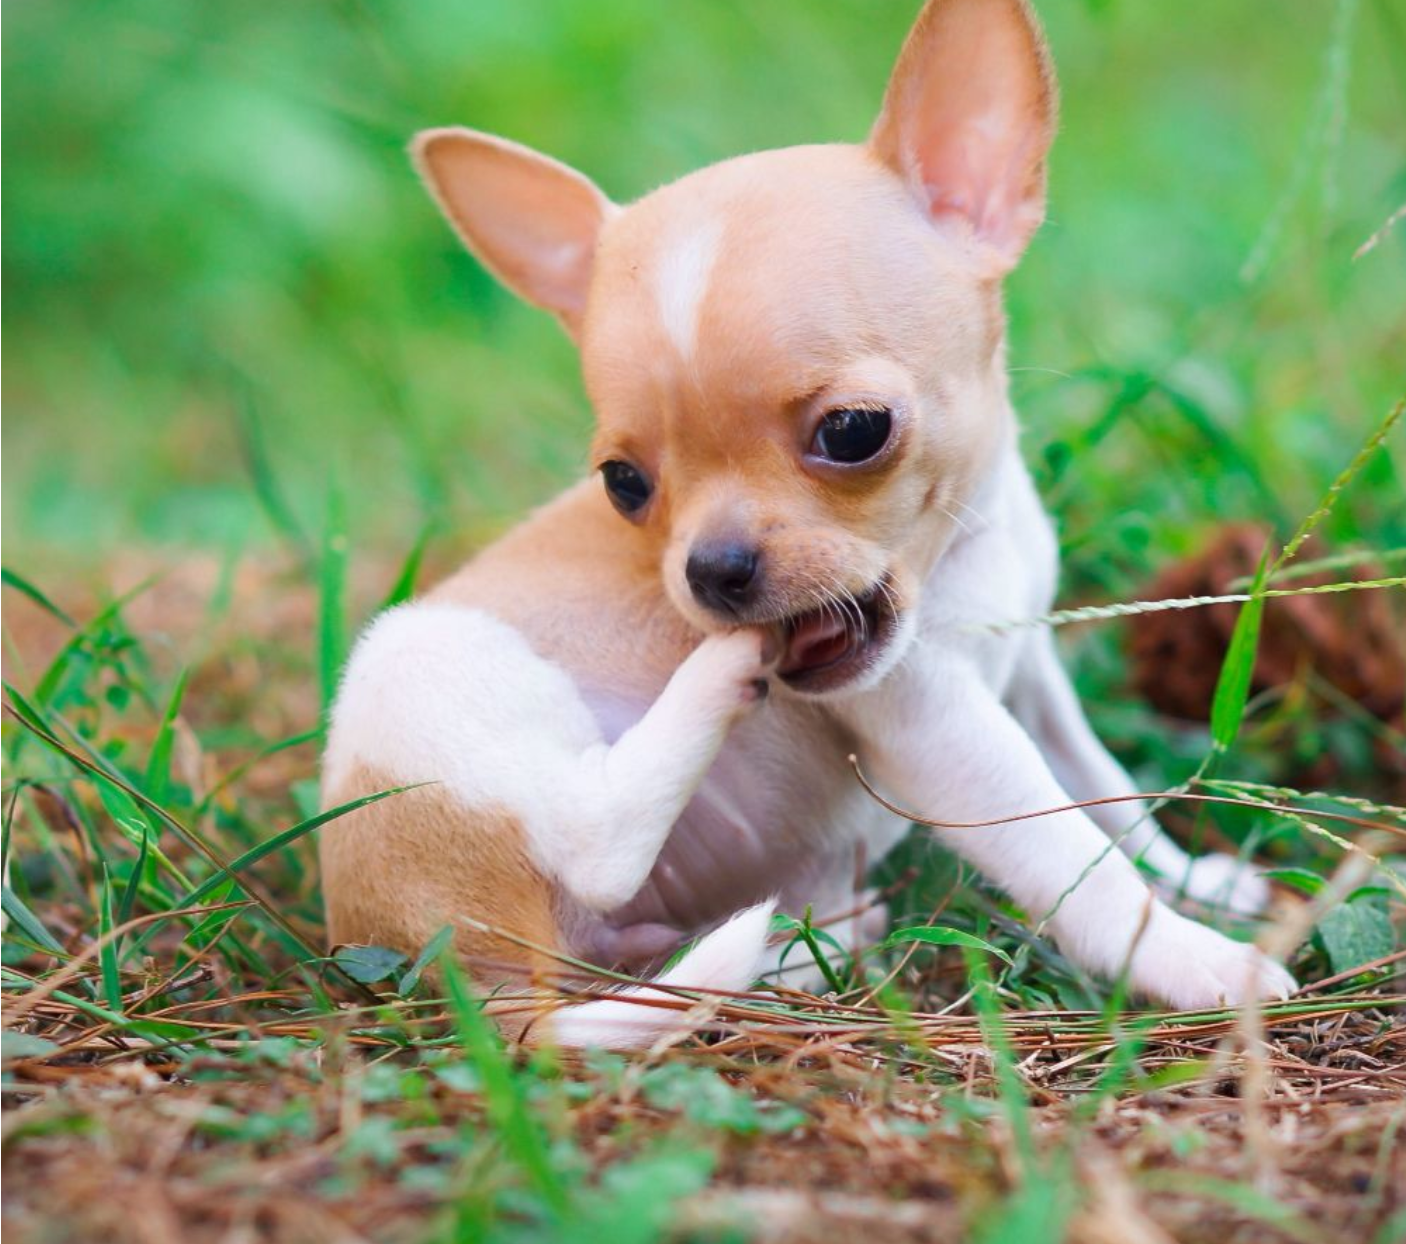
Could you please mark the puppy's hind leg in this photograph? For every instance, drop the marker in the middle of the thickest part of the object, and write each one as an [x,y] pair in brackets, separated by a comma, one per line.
[1045,703]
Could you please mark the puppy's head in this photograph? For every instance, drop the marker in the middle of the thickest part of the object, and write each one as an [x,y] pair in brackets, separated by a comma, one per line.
[795,357]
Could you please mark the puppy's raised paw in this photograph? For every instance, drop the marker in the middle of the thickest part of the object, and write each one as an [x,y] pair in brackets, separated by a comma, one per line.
[733,667]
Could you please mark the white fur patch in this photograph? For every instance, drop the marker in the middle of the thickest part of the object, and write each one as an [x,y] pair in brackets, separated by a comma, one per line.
[440,693]
[681,280]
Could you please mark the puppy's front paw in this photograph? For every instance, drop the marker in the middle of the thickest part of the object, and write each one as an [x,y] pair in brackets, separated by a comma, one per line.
[1192,968]
[733,666]
[1223,882]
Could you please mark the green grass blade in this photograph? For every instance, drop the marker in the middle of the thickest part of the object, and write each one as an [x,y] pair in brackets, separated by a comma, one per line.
[29,924]
[49,681]
[1237,670]
[288,836]
[129,893]
[267,490]
[332,578]
[26,588]
[1010,1087]
[107,954]
[503,1097]
[158,767]
[404,586]
[283,745]
[27,715]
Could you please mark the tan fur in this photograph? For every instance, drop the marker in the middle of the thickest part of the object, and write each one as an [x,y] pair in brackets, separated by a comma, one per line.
[584,587]
[872,306]
[449,861]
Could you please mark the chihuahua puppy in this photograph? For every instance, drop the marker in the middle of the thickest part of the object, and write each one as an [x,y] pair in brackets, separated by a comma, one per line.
[632,714]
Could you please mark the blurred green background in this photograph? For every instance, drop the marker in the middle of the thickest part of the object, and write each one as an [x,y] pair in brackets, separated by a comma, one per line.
[219,268]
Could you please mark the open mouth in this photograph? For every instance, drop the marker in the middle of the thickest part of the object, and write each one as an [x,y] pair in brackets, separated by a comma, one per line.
[829,646]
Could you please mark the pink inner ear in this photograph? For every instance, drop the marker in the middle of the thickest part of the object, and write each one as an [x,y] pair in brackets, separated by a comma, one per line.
[977,179]
[967,120]
[533,221]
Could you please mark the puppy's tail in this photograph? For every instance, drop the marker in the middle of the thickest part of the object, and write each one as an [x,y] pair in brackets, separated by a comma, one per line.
[727,960]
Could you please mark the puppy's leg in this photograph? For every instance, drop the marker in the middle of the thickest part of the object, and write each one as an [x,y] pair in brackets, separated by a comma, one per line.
[621,800]
[938,741]
[1045,702]
[442,694]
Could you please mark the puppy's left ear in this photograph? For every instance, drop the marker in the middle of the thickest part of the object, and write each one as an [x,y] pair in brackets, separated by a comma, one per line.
[531,220]
[967,122]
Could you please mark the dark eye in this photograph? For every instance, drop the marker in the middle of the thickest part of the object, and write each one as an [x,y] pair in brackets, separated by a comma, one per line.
[626,486]
[853,434]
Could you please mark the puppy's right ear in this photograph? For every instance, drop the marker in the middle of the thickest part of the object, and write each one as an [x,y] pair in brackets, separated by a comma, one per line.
[968,120]
[532,221]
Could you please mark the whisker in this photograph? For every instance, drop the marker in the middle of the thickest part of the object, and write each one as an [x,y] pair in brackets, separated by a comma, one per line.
[957,520]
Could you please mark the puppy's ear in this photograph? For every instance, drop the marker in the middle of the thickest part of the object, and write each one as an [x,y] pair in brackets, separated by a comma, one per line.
[531,221]
[967,123]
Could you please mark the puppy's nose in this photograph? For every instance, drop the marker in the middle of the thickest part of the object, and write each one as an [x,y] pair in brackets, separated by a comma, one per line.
[723,575]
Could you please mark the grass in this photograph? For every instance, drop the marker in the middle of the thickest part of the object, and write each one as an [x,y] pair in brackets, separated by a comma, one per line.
[256,395]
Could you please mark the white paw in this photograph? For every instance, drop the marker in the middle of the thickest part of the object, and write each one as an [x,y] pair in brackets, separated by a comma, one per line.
[1190,967]
[1223,882]
[732,667]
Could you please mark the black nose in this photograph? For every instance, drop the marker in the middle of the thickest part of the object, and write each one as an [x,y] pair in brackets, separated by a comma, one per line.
[724,575]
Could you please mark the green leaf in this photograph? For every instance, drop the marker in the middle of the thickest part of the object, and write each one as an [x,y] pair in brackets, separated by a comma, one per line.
[1302,879]
[16,1045]
[1237,671]
[1357,932]
[635,1200]
[933,935]
[811,937]
[431,952]
[368,964]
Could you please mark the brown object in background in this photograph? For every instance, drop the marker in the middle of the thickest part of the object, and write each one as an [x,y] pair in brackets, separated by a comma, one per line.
[1352,640]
